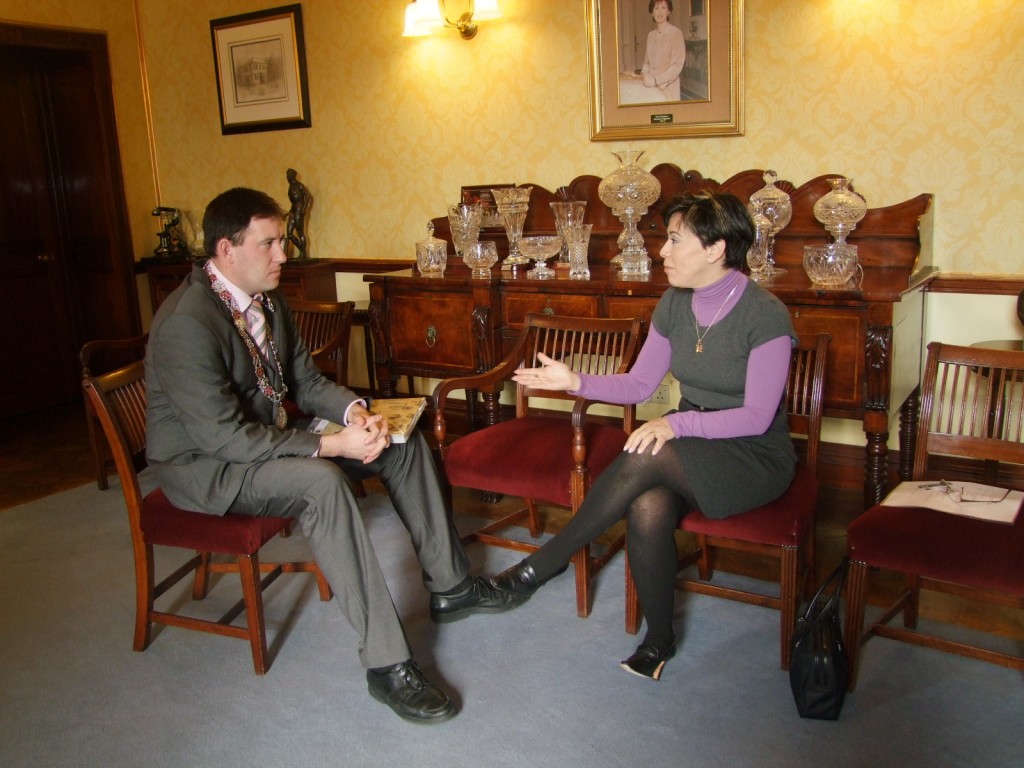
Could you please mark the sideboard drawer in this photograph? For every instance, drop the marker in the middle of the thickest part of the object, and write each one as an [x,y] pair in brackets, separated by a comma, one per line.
[519,305]
[626,306]
[435,335]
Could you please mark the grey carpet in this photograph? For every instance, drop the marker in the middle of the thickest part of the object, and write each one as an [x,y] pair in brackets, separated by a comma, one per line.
[537,686]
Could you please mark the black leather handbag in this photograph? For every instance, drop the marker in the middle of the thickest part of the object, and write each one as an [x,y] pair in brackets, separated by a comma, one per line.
[818,669]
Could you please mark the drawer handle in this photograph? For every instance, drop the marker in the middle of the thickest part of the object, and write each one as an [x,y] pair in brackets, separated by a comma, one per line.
[549,310]
[431,336]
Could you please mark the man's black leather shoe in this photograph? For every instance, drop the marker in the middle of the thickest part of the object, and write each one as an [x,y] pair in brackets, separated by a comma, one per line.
[522,580]
[480,597]
[648,661]
[404,688]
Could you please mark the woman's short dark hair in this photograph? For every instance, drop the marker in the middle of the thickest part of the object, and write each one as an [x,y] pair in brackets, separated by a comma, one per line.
[650,5]
[229,213]
[714,216]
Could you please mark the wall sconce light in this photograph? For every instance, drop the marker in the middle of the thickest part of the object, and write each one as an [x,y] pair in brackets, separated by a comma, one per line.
[424,16]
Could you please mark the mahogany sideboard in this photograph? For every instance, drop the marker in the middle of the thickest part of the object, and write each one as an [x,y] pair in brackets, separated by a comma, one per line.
[440,327]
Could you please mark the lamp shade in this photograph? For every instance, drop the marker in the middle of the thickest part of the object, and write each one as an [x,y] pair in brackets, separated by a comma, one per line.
[485,10]
[412,25]
[429,15]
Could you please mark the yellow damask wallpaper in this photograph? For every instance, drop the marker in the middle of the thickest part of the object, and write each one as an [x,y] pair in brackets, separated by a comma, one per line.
[903,97]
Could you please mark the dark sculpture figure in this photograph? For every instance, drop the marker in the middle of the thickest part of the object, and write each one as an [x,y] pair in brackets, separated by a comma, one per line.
[301,200]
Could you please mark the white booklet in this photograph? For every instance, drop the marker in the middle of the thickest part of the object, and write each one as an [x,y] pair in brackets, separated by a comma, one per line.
[956,497]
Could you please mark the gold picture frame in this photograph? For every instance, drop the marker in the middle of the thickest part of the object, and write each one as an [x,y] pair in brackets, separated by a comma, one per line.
[260,64]
[626,105]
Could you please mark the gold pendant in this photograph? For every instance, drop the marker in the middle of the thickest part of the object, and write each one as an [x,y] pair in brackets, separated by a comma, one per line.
[700,347]
[281,417]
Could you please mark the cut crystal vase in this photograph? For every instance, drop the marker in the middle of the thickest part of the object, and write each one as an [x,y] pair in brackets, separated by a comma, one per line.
[629,191]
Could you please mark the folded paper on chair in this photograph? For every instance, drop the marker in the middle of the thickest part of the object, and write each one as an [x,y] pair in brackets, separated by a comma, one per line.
[983,502]
[402,414]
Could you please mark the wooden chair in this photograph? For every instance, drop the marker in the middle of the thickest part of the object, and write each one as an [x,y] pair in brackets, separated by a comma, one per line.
[100,356]
[119,401]
[782,530]
[326,327]
[543,457]
[972,426]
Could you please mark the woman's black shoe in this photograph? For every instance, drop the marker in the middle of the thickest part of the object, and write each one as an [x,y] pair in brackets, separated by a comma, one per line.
[648,661]
[521,579]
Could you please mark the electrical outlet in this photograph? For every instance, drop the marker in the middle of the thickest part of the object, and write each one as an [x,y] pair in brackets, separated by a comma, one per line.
[660,395]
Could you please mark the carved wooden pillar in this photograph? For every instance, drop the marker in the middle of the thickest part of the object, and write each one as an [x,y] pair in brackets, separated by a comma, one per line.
[878,365]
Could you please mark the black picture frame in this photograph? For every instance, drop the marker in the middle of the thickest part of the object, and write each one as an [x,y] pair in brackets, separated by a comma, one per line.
[260,65]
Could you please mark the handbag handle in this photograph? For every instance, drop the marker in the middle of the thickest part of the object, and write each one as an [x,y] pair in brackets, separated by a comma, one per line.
[835,580]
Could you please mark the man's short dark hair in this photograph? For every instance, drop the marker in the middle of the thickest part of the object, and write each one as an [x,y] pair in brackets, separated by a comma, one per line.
[229,213]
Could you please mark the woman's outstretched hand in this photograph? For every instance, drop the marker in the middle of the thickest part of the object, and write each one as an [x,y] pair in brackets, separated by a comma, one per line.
[551,375]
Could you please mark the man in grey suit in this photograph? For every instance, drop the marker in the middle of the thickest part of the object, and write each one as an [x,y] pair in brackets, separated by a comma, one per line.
[223,354]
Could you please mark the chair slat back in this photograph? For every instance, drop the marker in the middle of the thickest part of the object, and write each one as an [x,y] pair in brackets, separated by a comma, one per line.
[119,401]
[585,344]
[326,327]
[972,406]
[804,397]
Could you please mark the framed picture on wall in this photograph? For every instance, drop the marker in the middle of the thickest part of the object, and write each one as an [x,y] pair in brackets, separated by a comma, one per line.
[260,63]
[667,69]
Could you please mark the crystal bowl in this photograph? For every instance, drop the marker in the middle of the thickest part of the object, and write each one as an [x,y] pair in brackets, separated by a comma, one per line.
[480,257]
[831,266]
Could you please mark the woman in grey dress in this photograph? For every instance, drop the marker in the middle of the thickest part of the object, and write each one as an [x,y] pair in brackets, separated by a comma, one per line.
[724,449]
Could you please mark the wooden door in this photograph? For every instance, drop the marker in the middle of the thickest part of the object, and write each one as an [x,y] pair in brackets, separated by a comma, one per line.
[66,272]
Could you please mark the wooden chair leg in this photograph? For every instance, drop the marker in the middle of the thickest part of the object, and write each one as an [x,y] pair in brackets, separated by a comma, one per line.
[581,564]
[789,593]
[533,516]
[321,583]
[856,594]
[910,607]
[704,563]
[201,583]
[634,613]
[144,596]
[252,593]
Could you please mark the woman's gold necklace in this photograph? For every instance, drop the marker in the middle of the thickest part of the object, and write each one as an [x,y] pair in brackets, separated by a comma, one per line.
[700,336]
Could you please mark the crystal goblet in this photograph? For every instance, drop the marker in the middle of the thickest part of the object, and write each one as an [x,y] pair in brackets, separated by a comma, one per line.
[567,213]
[480,257]
[540,248]
[512,204]
[578,237]
[464,222]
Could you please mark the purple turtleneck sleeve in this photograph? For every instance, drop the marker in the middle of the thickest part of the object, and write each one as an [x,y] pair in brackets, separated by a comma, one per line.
[766,379]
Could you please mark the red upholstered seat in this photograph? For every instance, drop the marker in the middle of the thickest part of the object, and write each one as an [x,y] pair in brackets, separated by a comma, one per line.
[165,524]
[970,428]
[533,457]
[915,540]
[537,456]
[781,523]
[783,529]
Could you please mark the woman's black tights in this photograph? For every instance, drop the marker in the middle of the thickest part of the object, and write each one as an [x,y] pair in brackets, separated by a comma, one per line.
[652,493]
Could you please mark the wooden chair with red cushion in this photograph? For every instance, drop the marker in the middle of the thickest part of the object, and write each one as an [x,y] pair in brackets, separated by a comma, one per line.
[119,402]
[543,457]
[971,427]
[782,530]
